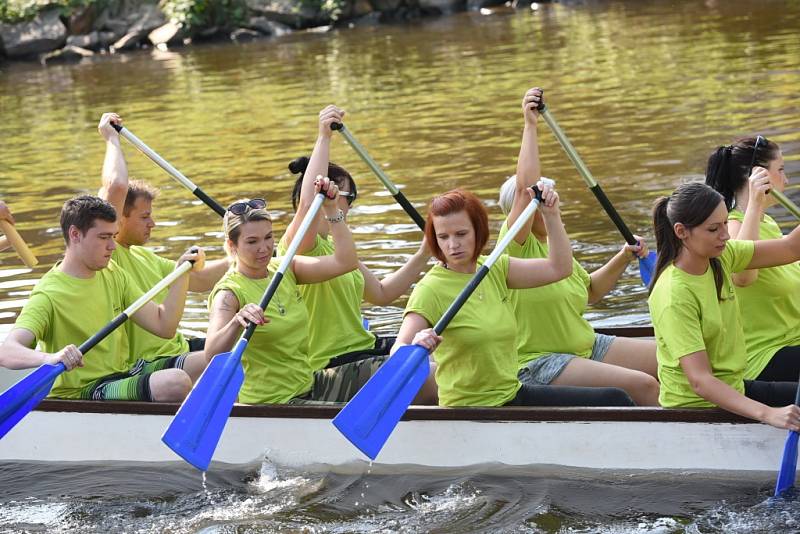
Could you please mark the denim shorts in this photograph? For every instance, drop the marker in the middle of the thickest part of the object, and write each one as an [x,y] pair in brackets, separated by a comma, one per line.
[544,369]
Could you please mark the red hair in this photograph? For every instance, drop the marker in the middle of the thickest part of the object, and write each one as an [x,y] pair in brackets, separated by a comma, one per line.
[453,202]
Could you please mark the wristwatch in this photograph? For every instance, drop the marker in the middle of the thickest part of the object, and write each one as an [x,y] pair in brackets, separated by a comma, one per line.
[336,219]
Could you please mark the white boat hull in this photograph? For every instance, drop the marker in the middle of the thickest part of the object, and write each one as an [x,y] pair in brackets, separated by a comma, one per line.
[435,438]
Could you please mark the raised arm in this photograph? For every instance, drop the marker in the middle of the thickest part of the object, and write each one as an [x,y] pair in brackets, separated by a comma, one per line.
[317,166]
[390,288]
[315,269]
[528,169]
[16,352]
[706,385]
[606,277]
[114,187]
[758,186]
[524,273]
[163,319]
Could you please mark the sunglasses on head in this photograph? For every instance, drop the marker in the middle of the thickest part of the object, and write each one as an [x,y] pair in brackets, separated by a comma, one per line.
[240,208]
[759,141]
[350,197]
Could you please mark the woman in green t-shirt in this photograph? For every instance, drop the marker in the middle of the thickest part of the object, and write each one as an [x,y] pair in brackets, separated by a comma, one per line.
[476,357]
[769,298]
[556,344]
[701,349]
[276,362]
[336,332]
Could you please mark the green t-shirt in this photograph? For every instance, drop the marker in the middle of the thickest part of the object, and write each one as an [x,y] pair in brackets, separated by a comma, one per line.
[770,307]
[275,361]
[146,269]
[477,359]
[688,318]
[334,309]
[65,310]
[550,318]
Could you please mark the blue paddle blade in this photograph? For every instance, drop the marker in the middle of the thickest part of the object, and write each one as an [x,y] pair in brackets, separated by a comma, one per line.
[371,415]
[788,465]
[18,400]
[647,268]
[196,428]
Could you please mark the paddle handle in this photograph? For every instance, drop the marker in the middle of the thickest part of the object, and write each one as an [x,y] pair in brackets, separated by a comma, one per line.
[18,244]
[501,246]
[115,323]
[265,300]
[376,169]
[286,260]
[583,170]
[172,171]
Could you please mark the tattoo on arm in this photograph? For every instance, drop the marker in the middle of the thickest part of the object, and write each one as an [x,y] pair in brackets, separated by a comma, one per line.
[229,303]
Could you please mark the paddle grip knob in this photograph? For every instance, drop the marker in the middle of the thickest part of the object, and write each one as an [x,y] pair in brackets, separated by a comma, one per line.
[193,250]
[541,107]
[116,126]
[337,126]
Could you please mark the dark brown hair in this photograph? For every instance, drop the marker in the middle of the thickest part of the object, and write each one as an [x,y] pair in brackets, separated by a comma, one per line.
[690,204]
[729,166]
[82,211]
[336,173]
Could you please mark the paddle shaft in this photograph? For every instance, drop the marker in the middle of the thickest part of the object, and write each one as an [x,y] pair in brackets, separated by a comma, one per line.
[583,170]
[18,244]
[788,204]
[387,183]
[133,308]
[287,259]
[172,171]
[481,273]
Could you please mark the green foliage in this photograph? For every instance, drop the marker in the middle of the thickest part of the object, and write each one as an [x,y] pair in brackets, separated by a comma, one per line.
[12,11]
[331,8]
[196,15]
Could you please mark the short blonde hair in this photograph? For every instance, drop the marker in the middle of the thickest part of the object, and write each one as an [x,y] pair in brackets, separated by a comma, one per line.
[138,189]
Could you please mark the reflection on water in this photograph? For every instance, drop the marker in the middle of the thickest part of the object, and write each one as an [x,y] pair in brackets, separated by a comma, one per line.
[645,90]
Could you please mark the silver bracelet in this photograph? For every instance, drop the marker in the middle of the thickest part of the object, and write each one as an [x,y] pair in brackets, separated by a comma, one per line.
[337,219]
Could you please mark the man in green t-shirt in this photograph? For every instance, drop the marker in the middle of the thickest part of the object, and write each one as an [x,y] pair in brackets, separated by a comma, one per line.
[133,200]
[77,298]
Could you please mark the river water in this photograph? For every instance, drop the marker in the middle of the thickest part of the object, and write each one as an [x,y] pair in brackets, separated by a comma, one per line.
[645,90]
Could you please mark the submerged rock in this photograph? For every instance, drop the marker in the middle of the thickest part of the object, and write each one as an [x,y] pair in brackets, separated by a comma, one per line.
[268,27]
[66,55]
[241,35]
[90,41]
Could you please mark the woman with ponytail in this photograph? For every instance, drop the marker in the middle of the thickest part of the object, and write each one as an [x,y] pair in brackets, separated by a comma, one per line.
[693,305]
[769,299]
[336,333]
[556,344]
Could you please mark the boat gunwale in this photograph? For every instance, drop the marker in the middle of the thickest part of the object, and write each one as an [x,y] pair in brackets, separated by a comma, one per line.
[422,413]
[434,413]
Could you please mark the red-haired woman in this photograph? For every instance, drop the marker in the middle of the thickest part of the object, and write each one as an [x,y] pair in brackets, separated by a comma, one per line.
[477,356]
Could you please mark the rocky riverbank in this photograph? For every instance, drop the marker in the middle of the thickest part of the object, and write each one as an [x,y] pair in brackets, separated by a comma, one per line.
[76,29]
